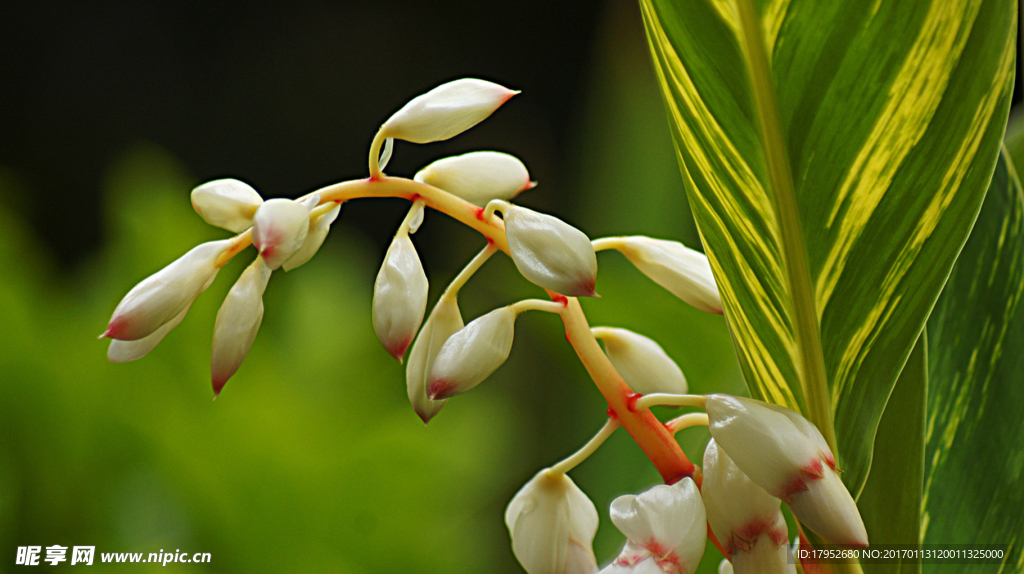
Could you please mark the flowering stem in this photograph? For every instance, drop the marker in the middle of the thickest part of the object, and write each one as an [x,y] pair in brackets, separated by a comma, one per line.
[375,169]
[321,209]
[588,449]
[653,399]
[653,438]
[647,431]
[240,242]
[606,243]
[417,208]
[472,267]
[537,305]
[686,421]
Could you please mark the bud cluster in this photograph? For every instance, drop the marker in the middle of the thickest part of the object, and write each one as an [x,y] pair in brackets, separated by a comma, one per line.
[761,455]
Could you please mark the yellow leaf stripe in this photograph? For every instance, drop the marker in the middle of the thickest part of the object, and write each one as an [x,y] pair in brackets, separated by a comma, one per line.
[741,199]
[913,98]
[862,339]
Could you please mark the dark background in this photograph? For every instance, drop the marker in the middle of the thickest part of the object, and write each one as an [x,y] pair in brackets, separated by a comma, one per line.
[284,95]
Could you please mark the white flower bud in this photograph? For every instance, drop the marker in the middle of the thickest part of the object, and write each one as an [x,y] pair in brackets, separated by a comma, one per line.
[399,297]
[164,295]
[318,228]
[785,454]
[746,519]
[226,203]
[478,177]
[472,354]
[827,508]
[668,522]
[552,524]
[725,567]
[238,321]
[550,253]
[279,229]
[683,271]
[643,364]
[446,111]
[442,323]
[128,351]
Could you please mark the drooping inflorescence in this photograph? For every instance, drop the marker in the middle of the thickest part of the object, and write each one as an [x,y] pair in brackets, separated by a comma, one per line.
[761,455]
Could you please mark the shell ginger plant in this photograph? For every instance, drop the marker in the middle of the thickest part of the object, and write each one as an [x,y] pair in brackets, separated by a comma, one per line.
[761,454]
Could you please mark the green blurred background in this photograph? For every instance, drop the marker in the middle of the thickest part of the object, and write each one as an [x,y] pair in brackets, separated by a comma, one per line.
[312,459]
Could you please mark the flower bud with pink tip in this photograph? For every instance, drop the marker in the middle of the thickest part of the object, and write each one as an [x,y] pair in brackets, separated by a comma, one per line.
[279,229]
[746,520]
[227,203]
[683,271]
[478,177]
[446,111]
[785,454]
[470,355]
[665,529]
[552,524]
[238,322]
[161,297]
[444,321]
[319,226]
[399,296]
[548,251]
[643,364]
[128,351]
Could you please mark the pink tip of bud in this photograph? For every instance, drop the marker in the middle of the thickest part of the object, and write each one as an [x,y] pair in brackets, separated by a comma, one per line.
[116,328]
[425,417]
[509,95]
[529,185]
[441,389]
[398,351]
[814,469]
[798,484]
[218,384]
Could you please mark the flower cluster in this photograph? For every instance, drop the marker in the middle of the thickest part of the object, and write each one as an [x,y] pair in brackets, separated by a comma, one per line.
[761,455]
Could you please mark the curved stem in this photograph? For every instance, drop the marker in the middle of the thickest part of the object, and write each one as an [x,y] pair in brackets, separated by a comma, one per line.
[605,243]
[686,421]
[403,229]
[239,243]
[537,305]
[647,431]
[378,141]
[664,399]
[321,209]
[653,438]
[495,205]
[472,267]
[588,449]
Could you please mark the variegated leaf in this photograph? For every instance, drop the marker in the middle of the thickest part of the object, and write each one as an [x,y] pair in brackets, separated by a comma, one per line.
[974,450]
[835,155]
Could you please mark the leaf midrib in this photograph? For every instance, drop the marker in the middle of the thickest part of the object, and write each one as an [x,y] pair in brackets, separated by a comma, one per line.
[813,380]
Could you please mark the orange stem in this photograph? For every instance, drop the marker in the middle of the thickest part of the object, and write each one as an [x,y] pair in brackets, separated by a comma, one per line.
[657,442]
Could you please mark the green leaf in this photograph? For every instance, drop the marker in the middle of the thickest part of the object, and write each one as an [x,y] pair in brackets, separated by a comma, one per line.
[891,500]
[974,460]
[835,155]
